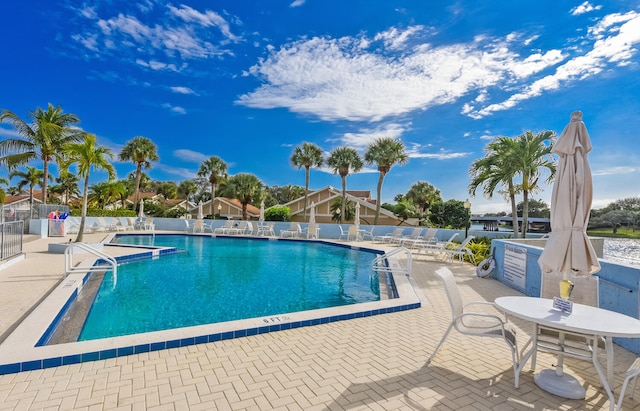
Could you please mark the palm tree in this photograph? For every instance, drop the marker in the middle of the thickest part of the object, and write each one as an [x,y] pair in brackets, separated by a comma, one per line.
[141,151]
[533,156]
[3,194]
[168,190]
[187,188]
[339,210]
[308,155]
[344,160]
[247,188]
[32,177]
[68,184]
[385,152]
[43,139]
[498,168]
[423,194]
[213,168]
[87,156]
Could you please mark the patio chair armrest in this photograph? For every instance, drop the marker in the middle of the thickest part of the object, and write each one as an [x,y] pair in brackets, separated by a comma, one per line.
[498,321]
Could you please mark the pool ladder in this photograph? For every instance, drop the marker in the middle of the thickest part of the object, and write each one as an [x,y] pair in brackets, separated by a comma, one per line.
[384,263]
[69,268]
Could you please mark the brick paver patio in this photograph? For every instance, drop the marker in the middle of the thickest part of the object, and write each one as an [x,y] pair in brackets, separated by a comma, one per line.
[373,363]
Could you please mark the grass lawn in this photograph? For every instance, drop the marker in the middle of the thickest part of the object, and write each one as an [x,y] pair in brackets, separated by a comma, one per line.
[608,232]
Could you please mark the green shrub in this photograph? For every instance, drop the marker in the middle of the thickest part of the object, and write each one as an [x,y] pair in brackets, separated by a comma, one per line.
[279,213]
[99,212]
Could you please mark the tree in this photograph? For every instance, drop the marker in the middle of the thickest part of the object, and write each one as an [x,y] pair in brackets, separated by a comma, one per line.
[282,194]
[343,161]
[342,210]
[614,218]
[450,213]
[533,157]
[3,194]
[498,168]
[140,151]
[87,156]
[385,152]
[44,139]
[405,209]
[423,194]
[213,168]
[537,208]
[245,187]
[32,178]
[68,185]
[308,155]
[168,190]
[187,189]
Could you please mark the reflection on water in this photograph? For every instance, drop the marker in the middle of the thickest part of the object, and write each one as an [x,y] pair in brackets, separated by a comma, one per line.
[622,250]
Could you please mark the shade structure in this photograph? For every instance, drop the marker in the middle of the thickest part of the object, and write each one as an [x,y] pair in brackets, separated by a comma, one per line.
[312,213]
[261,218]
[141,209]
[568,249]
[356,220]
[200,213]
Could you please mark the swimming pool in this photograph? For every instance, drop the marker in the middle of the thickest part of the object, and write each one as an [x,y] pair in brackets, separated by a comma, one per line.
[226,279]
[25,348]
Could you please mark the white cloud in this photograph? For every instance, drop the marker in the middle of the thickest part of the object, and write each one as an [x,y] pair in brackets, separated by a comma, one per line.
[207,19]
[616,35]
[9,133]
[297,3]
[364,137]
[341,79]
[585,7]
[614,171]
[190,155]
[415,151]
[183,90]
[175,109]
[182,173]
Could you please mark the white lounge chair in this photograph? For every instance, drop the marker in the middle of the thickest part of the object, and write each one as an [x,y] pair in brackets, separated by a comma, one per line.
[294,231]
[415,234]
[427,239]
[397,232]
[479,323]
[461,251]
[225,228]
[436,248]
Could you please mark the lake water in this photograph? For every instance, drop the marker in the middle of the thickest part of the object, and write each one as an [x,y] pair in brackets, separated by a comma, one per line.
[622,250]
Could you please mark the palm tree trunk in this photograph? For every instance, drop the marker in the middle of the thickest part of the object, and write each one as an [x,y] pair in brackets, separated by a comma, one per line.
[514,208]
[525,212]
[244,211]
[85,195]
[344,196]
[306,190]
[137,193]
[45,177]
[380,181]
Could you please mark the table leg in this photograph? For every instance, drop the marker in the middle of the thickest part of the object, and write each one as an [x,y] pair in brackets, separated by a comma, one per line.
[603,378]
[557,382]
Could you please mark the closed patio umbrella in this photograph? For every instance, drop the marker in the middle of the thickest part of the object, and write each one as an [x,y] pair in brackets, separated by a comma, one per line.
[312,213]
[200,213]
[141,209]
[568,249]
[261,218]
[356,220]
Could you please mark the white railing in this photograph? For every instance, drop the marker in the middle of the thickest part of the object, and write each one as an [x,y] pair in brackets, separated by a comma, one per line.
[70,268]
[385,264]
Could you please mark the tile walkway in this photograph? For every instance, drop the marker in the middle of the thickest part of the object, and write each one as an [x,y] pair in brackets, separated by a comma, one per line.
[373,363]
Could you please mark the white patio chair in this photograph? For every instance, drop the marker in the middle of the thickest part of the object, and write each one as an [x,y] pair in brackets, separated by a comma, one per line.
[268,230]
[344,235]
[479,324]
[312,231]
[364,234]
[632,374]
[294,231]
[353,234]
[149,225]
[461,251]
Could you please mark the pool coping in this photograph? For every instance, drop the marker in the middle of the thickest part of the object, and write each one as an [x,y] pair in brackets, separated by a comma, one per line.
[20,352]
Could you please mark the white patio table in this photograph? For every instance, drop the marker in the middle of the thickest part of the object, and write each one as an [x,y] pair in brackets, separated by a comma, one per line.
[591,322]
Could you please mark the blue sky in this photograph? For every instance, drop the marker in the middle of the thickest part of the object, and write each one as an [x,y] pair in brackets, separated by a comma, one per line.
[249,80]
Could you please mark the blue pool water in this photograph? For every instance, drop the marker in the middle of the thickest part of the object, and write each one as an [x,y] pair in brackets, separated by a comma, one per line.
[225,279]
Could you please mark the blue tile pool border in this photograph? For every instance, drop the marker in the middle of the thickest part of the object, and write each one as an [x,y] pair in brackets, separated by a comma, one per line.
[184,342]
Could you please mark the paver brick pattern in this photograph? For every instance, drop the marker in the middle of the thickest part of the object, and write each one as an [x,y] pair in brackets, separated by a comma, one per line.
[372,363]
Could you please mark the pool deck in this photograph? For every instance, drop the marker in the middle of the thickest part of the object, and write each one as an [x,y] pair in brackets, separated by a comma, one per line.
[372,363]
